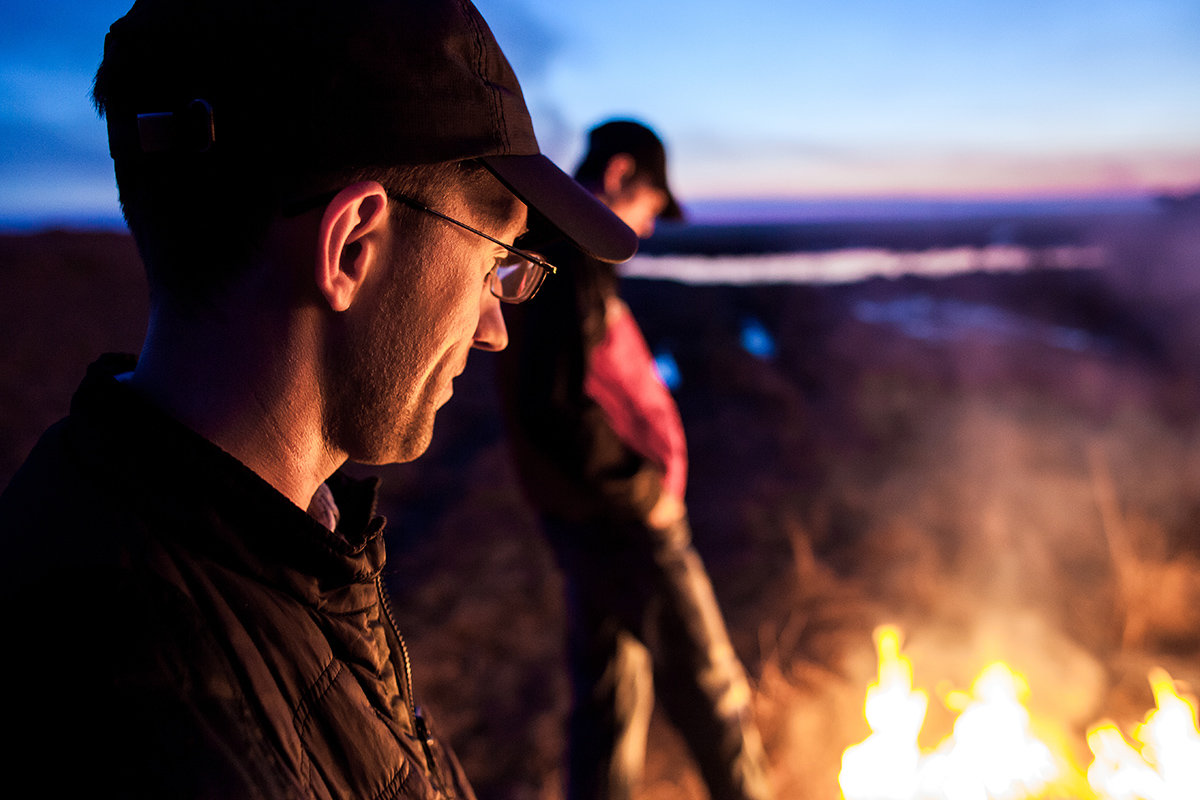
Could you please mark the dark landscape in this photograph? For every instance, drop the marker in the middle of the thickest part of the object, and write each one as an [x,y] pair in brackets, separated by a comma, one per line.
[1004,465]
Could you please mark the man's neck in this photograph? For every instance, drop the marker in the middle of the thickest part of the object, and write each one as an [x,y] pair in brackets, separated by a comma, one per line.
[250,392]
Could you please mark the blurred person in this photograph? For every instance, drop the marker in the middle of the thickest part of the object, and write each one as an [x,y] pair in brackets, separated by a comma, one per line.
[599,446]
[326,198]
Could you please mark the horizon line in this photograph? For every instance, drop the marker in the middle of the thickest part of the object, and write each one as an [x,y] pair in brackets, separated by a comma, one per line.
[737,208]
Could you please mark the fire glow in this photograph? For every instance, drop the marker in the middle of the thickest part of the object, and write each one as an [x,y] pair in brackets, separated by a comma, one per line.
[997,751]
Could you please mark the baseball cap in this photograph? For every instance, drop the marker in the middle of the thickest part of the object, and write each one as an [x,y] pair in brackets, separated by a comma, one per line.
[635,139]
[321,85]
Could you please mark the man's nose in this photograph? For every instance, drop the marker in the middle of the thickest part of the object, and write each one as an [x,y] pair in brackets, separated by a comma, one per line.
[491,333]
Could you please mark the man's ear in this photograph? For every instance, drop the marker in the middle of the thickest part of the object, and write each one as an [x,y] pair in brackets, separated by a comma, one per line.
[618,174]
[350,242]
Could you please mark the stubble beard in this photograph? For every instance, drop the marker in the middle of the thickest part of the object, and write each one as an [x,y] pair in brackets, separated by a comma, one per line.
[373,408]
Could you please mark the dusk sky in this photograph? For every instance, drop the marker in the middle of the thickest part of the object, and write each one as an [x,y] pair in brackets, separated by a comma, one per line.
[758,98]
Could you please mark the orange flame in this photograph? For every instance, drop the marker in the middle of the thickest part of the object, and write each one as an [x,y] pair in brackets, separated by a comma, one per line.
[1166,763]
[997,752]
[886,766]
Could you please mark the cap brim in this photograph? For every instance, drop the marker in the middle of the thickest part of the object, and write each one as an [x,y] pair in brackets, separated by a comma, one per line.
[568,207]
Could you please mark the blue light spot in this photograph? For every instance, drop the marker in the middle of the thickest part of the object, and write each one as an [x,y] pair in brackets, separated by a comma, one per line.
[668,369]
[755,339]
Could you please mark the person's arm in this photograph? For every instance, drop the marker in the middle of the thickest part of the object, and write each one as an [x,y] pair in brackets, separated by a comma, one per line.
[571,461]
[666,512]
[603,471]
[623,380]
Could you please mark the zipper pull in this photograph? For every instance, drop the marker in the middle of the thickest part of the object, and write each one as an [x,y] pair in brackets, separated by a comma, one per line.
[427,744]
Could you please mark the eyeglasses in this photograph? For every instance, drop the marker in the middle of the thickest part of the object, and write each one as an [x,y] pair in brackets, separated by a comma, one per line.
[517,277]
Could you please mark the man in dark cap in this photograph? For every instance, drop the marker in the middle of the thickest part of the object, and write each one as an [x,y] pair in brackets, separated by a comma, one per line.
[600,450]
[328,199]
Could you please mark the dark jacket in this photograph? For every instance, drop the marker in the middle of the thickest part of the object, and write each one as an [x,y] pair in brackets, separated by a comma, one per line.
[572,465]
[175,627]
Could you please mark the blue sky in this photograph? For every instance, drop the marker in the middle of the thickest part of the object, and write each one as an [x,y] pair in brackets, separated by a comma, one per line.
[756,98]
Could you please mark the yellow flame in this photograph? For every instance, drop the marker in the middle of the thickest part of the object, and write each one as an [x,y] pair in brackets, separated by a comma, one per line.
[996,753]
[1164,764]
[885,766]
[992,753]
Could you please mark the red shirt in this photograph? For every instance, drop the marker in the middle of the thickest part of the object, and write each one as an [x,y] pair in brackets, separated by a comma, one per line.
[624,382]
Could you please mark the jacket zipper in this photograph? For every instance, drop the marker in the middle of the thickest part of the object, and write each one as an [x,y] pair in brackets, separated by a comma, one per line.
[414,712]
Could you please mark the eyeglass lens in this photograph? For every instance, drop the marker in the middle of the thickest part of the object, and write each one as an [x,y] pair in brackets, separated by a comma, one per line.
[517,280]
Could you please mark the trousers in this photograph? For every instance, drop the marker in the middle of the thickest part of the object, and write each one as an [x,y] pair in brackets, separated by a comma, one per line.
[643,623]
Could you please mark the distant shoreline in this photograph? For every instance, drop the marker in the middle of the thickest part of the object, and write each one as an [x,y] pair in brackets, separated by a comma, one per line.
[917,227]
[11,226]
[741,211]
[738,212]
[854,264]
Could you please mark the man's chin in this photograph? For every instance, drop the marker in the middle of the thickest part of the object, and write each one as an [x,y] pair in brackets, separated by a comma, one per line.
[412,450]
[408,446]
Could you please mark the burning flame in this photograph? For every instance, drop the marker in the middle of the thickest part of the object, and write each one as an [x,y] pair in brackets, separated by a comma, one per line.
[887,765]
[997,752]
[1166,766]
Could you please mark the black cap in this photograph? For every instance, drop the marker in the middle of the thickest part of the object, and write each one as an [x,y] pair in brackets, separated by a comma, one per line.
[330,85]
[635,139]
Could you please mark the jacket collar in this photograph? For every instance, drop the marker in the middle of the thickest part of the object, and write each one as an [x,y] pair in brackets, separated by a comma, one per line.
[206,498]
